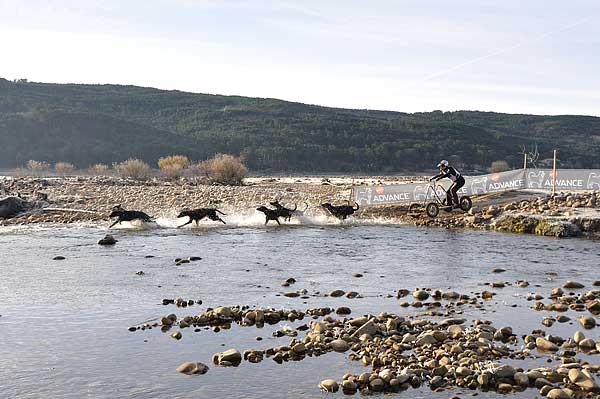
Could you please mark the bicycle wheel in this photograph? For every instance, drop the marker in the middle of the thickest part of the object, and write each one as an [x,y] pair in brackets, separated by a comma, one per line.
[432,209]
[465,203]
[413,208]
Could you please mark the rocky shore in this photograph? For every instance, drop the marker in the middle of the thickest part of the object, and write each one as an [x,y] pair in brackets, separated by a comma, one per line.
[559,215]
[85,199]
[434,346]
[90,199]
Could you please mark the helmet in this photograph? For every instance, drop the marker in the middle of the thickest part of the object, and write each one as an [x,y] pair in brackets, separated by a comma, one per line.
[443,162]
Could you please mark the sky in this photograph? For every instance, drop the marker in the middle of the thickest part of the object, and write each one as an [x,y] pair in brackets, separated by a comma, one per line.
[533,56]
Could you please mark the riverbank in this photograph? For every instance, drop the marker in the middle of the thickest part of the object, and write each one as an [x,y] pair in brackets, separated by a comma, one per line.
[90,199]
[559,215]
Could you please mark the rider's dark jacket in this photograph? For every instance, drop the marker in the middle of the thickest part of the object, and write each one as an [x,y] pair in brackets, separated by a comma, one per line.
[451,174]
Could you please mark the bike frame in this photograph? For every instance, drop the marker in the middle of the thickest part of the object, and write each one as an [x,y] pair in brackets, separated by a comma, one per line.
[433,189]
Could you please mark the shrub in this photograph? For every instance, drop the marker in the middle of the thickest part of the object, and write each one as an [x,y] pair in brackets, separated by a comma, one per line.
[499,166]
[64,168]
[98,169]
[37,166]
[224,169]
[173,165]
[132,168]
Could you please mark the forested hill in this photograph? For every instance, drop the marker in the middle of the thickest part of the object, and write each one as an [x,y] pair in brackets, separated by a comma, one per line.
[86,124]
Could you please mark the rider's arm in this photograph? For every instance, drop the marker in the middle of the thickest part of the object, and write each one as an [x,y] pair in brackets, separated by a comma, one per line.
[440,176]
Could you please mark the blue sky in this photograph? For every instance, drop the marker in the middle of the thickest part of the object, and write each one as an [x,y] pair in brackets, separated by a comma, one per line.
[532,56]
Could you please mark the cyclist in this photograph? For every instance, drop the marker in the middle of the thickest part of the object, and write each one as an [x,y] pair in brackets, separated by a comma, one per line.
[457,182]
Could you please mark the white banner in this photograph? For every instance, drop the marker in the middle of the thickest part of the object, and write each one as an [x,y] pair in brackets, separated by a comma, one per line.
[566,179]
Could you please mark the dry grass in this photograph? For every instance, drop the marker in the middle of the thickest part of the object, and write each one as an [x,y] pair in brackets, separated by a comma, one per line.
[132,168]
[98,169]
[173,166]
[37,166]
[64,168]
[224,169]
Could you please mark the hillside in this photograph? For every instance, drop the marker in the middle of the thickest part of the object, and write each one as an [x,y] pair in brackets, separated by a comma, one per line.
[85,124]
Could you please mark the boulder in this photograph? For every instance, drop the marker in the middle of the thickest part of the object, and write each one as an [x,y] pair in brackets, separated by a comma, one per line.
[107,240]
[544,345]
[583,380]
[573,285]
[11,206]
[230,357]
[329,385]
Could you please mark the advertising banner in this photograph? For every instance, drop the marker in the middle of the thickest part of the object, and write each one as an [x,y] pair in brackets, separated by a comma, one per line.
[566,179]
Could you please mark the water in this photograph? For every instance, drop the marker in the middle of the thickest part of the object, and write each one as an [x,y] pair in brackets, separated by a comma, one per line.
[63,324]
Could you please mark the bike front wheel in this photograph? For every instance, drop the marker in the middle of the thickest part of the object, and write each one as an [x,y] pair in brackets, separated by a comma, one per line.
[432,209]
[465,203]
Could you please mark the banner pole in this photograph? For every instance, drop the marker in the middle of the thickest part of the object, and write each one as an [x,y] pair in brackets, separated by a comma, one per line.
[352,191]
[554,173]
[525,161]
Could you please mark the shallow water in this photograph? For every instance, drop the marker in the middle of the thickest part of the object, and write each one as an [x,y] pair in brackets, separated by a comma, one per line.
[63,324]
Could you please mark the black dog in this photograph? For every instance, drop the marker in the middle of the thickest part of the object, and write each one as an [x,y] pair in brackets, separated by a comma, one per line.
[196,215]
[287,213]
[270,214]
[341,211]
[123,215]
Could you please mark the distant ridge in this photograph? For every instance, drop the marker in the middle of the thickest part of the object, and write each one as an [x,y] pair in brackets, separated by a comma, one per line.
[86,124]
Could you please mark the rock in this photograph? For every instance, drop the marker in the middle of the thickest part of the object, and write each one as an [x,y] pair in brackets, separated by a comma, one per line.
[357,275]
[484,379]
[594,307]
[578,337]
[339,345]
[544,345]
[191,368]
[583,380]
[504,388]
[521,379]
[587,322]
[587,344]
[11,206]
[498,270]
[426,339]
[349,387]
[59,258]
[107,240]
[368,328]
[450,295]
[487,295]
[230,357]
[420,295]
[573,285]
[336,293]
[176,335]
[558,393]
[299,349]
[329,385]
[455,331]
[343,310]
[504,371]
[291,294]
[377,385]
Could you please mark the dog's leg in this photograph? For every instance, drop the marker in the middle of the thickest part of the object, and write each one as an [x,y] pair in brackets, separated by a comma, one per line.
[186,223]
[278,222]
[116,221]
[221,220]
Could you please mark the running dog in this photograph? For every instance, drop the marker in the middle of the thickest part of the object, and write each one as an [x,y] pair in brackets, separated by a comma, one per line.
[270,214]
[123,215]
[341,211]
[196,215]
[287,213]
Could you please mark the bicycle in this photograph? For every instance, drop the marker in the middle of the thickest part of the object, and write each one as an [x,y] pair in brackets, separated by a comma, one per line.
[437,201]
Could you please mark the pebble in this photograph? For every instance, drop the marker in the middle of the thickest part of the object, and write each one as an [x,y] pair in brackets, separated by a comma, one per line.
[573,285]
[59,258]
[191,368]
[107,240]
[336,293]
